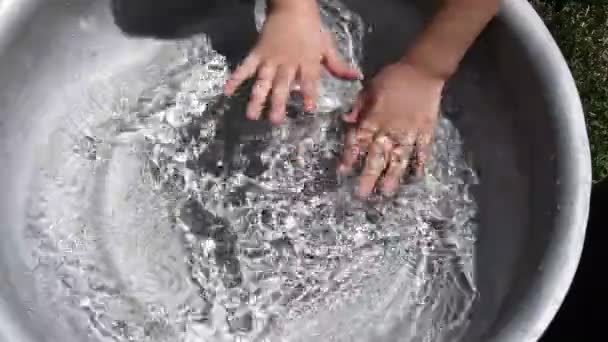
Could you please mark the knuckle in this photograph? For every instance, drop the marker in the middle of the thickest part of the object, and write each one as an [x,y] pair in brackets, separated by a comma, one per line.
[269,62]
[259,93]
[288,69]
[279,96]
[311,73]
[267,69]
[278,107]
[280,93]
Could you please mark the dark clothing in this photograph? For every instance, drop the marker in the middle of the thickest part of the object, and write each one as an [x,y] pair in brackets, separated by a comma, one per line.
[229,23]
[168,18]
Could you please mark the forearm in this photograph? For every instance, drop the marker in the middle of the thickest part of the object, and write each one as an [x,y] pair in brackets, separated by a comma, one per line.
[451,32]
[292,4]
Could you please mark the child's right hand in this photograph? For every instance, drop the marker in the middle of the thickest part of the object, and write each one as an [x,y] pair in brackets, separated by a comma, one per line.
[292,46]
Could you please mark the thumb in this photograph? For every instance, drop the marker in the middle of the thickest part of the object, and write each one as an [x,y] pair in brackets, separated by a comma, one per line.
[338,67]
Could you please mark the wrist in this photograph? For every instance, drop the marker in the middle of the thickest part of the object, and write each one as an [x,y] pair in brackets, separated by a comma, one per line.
[296,5]
[444,42]
[431,63]
[433,70]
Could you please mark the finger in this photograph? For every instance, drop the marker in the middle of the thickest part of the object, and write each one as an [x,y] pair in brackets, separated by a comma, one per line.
[260,91]
[407,139]
[243,72]
[365,134]
[280,93]
[336,65]
[422,153]
[309,83]
[351,152]
[375,163]
[355,112]
[399,161]
[398,164]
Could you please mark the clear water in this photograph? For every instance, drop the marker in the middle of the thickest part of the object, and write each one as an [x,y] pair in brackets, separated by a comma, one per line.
[168,218]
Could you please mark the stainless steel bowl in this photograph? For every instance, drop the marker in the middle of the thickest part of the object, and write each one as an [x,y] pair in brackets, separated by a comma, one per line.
[522,122]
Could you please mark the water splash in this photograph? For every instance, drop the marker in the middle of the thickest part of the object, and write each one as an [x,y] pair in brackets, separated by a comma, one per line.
[170,218]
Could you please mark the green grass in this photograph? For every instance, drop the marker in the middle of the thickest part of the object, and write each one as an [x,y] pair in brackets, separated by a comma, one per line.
[581,31]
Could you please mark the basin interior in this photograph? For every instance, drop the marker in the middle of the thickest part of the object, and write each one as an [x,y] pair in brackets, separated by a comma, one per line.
[499,105]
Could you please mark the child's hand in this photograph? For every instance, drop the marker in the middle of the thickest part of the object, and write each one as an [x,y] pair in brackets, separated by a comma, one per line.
[395,116]
[292,47]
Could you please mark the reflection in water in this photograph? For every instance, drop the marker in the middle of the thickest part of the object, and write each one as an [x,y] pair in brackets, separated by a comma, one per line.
[172,219]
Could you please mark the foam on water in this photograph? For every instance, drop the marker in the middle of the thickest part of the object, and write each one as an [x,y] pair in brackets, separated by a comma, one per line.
[170,218]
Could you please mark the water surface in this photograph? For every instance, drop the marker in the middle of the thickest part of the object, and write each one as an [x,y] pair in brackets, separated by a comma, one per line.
[165,217]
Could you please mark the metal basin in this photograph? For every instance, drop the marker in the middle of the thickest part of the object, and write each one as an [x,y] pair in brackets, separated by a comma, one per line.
[521,119]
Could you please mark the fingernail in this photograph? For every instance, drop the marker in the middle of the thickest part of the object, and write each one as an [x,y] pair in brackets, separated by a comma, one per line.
[361,193]
[309,105]
[252,115]
[276,119]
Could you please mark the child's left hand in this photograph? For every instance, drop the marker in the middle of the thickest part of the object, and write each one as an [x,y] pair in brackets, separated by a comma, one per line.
[395,117]
[292,47]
